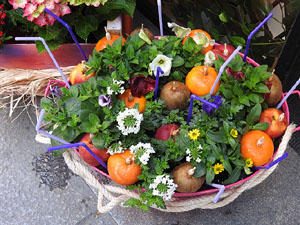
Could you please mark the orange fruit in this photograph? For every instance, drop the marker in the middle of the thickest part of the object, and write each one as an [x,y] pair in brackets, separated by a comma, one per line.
[77,74]
[201,79]
[122,169]
[130,101]
[194,34]
[103,42]
[258,146]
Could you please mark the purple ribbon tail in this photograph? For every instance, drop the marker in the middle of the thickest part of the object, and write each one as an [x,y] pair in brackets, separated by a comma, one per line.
[158,71]
[70,31]
[77,145]
[221,190]
[272,163]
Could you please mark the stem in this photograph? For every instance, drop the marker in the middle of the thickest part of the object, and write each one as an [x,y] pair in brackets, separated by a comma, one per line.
[281,117]
[174,86]
[107,34]
[225,51]
[130,97]
[205,71]
[191,172]
[142,26]
[260,141]
[128,161]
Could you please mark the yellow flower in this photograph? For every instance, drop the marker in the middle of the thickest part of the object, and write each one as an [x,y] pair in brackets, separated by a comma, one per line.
[249,162]
[218,168]
[234,133]
[194,134]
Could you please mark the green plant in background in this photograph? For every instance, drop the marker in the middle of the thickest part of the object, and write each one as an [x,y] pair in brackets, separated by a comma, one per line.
[231,21]
[85,17]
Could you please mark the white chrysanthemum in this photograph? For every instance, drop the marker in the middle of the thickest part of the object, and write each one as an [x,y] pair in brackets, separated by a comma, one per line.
[163,186]
[209,58]
[115,148]
[129,121]
[116,87]
[162,61]
[142,151]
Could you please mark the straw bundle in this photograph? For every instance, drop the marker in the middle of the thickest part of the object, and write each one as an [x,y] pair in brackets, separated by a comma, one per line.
[26,85]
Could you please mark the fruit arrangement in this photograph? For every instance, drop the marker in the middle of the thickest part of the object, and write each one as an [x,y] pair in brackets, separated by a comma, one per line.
[135,118]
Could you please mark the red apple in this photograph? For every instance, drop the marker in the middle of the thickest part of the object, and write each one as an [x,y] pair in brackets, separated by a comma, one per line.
[164,132]
[277,122]
[77,74]
[223,50]
[86,156]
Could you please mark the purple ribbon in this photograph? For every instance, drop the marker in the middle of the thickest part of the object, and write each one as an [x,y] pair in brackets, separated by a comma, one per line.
[77,145]
[201,100]
[221,190]
[49,52]
[253,32]
[70,31]
[272,163]
[288,94]
[223,67]
[158,71]
[160,18]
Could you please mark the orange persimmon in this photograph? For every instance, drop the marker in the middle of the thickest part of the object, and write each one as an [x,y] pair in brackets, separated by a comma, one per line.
[130,101]
[201,79]
[109,39]
[122,169]
[258,146]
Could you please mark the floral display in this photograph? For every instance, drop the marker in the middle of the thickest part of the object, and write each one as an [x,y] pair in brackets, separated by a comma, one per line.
[148,139]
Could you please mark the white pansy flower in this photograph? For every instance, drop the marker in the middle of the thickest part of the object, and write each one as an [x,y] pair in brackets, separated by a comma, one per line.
[116,87]
[162,61]
[129,121]
[209,58]
[115,148]
[142,151]
[163,186]
[178,30]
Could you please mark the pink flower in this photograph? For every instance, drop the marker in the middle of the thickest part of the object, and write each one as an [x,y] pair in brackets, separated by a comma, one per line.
[38,1]
[18,3]
[49,4]
[29,9]
[64,9]
[57,1]
[50,19]
[30,18]
[1,33]
[41,20]
[56,10]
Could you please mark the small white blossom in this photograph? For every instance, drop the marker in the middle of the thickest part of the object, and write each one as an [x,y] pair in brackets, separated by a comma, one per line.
[115,148]
[209,58]
[129,121]
[162,61]
[142,151]
[167,184]
[200,147]
[116,87]
[198,160]
[188,157]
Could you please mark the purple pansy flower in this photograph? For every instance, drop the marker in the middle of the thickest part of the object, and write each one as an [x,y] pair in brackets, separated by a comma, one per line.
[217,100]
[105,101]
[55,91]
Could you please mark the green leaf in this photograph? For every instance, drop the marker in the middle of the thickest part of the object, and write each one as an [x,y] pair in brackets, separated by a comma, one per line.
[117,46]
[83,98]
[72,106]
[99,141]
[261,88]
[200,170]
[254,114]
[261,126]
[130,52]
[210,175]
[218,136]
[74,90]
[93,118]
[84,25]
[177,61]
[236,40]
[244,100]
[87,127]
[189,44]
[47,104]
[234,176]
[223,17]
[255,98]
[227,166]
